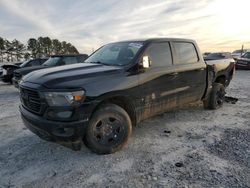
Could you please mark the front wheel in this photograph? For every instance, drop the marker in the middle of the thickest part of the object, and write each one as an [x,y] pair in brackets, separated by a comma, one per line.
[108,130]
[216,97]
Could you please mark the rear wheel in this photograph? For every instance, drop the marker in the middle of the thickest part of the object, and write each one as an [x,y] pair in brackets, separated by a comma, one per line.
[108,130]
[216,97]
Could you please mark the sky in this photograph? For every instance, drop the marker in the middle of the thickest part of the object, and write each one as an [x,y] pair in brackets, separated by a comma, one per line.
[217,25]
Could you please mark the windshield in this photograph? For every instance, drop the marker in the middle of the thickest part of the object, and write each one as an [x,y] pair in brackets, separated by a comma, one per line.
[116,53]
[52,61]
[246,55]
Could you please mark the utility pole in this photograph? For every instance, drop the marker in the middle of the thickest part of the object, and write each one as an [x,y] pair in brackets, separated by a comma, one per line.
[242,48]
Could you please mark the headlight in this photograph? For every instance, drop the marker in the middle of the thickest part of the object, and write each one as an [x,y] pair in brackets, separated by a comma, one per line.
[64,98]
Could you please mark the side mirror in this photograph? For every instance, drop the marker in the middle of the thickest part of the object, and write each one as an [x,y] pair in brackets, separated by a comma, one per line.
[146,62]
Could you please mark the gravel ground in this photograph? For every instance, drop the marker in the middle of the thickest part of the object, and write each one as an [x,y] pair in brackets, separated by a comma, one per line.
[190,147]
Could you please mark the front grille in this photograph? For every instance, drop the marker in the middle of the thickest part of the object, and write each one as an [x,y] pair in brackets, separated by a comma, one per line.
[17,75]
[31,100]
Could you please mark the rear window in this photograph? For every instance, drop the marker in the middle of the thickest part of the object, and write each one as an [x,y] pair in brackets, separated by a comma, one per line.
[52,61]
[70,60]
[185,52]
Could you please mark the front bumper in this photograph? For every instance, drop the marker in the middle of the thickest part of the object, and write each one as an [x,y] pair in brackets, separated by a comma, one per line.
[53,130]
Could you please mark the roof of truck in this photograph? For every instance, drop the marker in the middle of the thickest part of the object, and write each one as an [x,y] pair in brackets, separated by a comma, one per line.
[68,55]
[158,40]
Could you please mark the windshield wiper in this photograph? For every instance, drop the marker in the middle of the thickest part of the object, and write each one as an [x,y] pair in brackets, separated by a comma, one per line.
[96,62]
[99,62]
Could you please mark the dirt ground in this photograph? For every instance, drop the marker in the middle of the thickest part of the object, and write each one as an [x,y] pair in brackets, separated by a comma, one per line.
[190,147]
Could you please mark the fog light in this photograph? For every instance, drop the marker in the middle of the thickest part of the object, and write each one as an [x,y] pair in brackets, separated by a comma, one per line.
[65,114]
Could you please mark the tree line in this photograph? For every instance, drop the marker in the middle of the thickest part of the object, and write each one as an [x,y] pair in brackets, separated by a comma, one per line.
[34,48]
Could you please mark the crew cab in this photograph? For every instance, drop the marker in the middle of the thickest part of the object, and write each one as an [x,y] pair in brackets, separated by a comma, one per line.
[122,83]
[53,61]
[8,69]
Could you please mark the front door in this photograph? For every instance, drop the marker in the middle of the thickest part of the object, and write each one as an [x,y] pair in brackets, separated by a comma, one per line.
[157,83]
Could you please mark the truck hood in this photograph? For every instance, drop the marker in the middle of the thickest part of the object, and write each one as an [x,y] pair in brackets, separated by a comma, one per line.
[70,76]
[26,70]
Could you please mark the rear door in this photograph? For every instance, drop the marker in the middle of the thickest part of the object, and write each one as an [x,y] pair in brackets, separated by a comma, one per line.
[157,83]
[190,71]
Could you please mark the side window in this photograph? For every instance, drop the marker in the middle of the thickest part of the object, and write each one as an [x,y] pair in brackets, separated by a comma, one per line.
[159,54]
[185,52]
[70,60]
[42,61]
[35,63]
[29,64]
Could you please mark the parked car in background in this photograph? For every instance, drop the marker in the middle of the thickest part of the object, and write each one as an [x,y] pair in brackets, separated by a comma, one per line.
[117,87]
[8,70]
[206,54]
[218,55]
[238,53]
[53,61]
[243,62]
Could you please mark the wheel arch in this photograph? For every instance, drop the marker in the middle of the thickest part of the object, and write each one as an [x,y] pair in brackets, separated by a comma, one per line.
[221,79]
[123,102]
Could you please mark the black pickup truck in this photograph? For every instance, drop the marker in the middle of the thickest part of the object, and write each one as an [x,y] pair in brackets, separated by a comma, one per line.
[98,102]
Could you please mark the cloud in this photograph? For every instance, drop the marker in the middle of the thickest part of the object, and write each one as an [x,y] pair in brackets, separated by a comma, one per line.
[89,24]
[25,13]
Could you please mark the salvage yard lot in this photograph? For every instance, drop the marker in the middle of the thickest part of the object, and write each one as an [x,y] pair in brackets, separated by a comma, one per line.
[211,149]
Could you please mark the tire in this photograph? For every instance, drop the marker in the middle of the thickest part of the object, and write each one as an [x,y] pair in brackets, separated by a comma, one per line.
[216,97]
[108,130]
